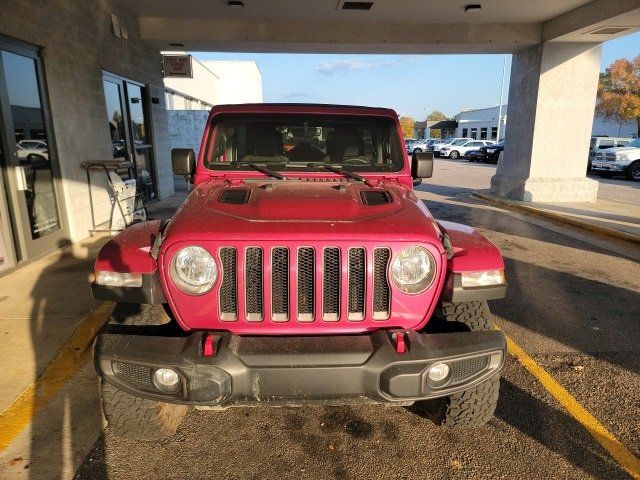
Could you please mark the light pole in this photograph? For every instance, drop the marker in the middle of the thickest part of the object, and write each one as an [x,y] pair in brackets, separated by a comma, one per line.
[504,68]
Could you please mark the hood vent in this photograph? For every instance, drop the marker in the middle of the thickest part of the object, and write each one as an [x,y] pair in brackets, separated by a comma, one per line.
[235,196]
[375,197]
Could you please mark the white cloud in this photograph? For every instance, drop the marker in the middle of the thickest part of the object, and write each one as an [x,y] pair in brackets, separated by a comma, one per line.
[348,66]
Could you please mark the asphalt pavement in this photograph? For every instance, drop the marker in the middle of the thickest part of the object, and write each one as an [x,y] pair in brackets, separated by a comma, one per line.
[571,305]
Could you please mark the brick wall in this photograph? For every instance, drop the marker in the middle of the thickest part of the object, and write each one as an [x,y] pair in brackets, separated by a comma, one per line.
[186,128]
[78,44]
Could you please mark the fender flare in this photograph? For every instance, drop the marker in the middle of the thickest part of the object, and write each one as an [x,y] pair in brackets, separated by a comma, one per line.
[130,252]
[472,252]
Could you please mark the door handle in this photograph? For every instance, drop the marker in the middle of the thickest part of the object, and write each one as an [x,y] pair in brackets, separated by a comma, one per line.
[21,178]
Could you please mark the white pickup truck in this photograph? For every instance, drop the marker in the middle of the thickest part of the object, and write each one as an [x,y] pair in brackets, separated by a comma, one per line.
[619,161]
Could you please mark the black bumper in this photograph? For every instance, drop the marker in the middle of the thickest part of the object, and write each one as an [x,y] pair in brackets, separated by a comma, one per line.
[299,370]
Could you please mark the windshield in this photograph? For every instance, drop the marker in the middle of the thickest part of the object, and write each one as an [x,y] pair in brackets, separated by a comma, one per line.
[296,142]
[460,142]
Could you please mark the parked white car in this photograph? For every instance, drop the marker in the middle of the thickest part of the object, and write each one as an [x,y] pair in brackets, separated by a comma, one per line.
[460,149]
[27,147]
[619,161]
[419,145]
[457,141]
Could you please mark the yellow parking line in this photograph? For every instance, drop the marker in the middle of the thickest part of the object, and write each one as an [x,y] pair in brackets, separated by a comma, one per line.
[604,437]
[73,354]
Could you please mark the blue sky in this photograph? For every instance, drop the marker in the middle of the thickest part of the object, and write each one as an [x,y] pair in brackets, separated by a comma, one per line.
[411,84]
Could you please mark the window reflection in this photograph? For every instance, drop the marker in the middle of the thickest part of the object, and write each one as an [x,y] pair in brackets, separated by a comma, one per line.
[32,146]
[115,119]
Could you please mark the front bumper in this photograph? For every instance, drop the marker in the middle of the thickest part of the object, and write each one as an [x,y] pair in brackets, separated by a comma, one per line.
[600,166]
[299,370]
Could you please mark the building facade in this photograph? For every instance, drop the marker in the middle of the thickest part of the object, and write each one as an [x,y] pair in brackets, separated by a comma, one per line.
[482,124]
[214,83]
[77,84]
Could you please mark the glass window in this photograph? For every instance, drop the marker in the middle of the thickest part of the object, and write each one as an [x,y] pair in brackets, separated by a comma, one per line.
[291,142]
[622,143]
[464,132]
[32,143]
[136,111]
[474,133]
[483,133]
[115,118]
[494,133]
[605,144]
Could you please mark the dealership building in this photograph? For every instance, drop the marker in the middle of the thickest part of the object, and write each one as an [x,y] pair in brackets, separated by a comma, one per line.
[482,124]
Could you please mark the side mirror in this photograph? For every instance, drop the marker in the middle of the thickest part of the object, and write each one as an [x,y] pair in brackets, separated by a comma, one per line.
[183,161]
[421,166]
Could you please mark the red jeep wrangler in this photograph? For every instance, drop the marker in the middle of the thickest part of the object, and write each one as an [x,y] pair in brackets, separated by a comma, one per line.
[301,269]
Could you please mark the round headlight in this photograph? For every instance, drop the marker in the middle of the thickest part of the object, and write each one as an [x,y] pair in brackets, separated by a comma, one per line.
[194,270]
[413,269]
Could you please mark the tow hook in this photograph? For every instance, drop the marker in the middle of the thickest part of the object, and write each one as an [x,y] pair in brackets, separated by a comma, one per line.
[399,339]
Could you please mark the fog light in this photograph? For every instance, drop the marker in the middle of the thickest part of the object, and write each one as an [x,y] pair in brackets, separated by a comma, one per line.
[438,372]
[166,380]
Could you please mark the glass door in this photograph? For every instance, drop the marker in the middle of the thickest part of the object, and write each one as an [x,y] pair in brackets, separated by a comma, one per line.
[142,148]
[29,167]
[128,118]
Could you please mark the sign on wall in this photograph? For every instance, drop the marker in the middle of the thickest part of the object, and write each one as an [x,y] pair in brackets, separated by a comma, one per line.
[177,66]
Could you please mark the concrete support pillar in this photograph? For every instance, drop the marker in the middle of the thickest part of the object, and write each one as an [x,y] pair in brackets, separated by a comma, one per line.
[552,96]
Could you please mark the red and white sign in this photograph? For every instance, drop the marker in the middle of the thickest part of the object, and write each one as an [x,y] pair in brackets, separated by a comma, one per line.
[177,66]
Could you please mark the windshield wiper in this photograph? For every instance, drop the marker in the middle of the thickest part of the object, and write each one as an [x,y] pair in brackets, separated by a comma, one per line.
[340,171]
[265,170]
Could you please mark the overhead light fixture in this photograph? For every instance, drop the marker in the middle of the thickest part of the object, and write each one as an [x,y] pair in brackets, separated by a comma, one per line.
[235,4]
[474,7]
[608,30]
[346,5]
[176,44]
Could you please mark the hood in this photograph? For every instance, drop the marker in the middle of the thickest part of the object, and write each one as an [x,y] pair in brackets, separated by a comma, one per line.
[293,209]
[622,150]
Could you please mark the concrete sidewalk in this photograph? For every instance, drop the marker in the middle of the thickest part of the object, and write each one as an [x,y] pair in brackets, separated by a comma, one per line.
[604,216]
[49,400]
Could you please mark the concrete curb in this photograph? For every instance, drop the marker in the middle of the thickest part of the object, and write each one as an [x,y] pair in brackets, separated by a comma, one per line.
[610,232]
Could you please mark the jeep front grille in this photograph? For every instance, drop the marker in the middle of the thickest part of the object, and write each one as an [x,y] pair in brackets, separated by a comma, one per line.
[304,284]
[331,284]
[381,292]
[253,283]
[228,287]
[280,284]
[357,283]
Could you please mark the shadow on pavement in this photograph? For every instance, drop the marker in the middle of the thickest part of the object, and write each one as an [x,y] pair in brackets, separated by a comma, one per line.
[557,297]
[555,429]
[63,429]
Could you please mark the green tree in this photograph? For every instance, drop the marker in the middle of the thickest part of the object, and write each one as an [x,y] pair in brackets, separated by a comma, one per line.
[619,91]
[406,123]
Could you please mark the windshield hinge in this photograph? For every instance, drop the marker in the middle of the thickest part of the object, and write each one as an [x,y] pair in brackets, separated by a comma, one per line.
[157,241]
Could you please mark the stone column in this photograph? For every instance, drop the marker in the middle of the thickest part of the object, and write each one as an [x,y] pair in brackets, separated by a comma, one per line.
[552,96]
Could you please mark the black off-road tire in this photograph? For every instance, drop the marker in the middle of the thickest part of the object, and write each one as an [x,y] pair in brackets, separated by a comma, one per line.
[471,408]
[139,315]
[475,406]
[474,315]
[139,418]
[130,416]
